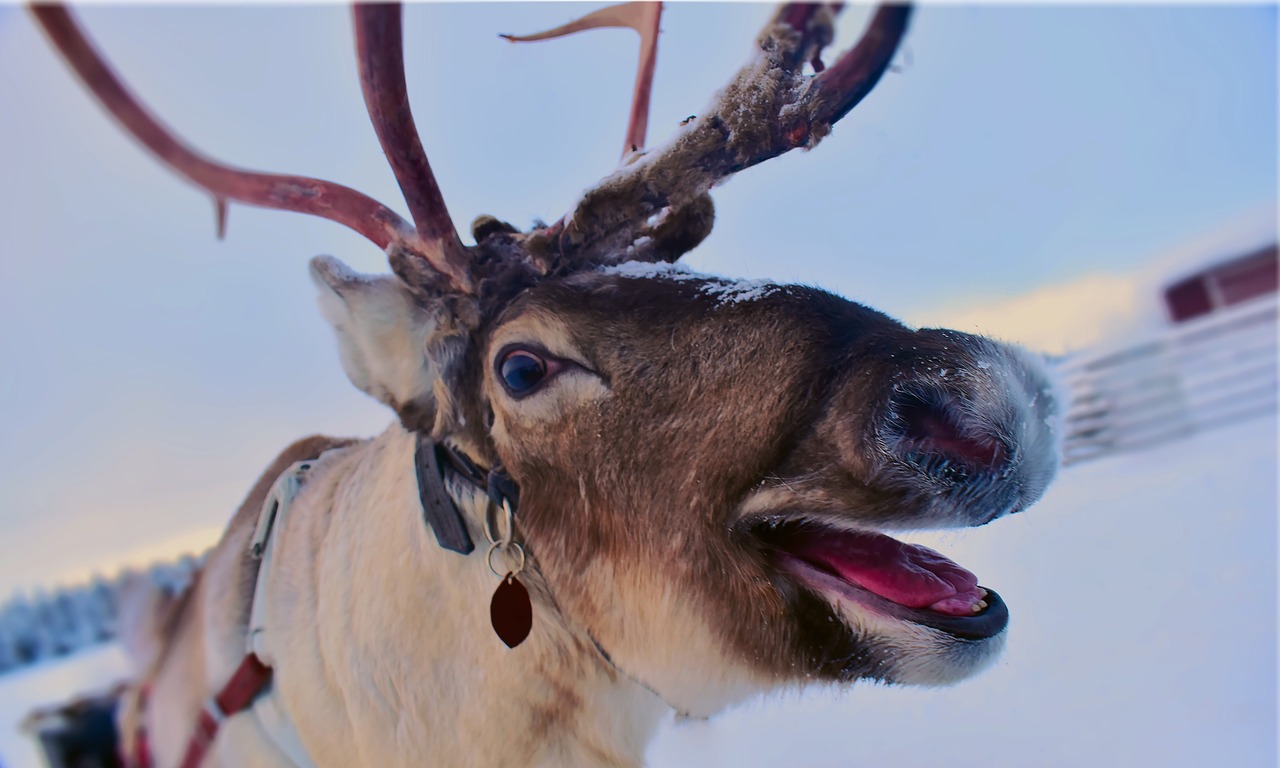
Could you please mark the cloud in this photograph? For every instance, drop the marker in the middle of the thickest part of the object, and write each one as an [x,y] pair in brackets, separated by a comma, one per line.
[1055,319]
[1100,306]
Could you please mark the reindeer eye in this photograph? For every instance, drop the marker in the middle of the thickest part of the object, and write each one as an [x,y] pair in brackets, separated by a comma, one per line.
[521,371]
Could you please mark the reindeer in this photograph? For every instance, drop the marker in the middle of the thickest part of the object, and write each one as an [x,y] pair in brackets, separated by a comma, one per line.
[683,486]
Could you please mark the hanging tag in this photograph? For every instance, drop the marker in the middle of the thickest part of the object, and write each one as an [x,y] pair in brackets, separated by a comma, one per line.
[511,612]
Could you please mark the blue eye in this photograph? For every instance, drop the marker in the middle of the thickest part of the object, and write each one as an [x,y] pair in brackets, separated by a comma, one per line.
[521,371]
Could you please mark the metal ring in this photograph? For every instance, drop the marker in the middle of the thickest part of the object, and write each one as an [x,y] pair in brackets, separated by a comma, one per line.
[491,523]
[494,547]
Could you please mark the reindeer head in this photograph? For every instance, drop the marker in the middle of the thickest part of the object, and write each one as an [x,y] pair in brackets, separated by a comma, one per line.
[707,468]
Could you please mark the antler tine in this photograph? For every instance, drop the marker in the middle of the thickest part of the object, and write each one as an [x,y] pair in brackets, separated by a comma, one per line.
[638,124]
[379,49]
[840,87]
[644,18]
[768,108]
[332,201]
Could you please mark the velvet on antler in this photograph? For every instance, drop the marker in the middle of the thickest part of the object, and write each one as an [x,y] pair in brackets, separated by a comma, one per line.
[656,207]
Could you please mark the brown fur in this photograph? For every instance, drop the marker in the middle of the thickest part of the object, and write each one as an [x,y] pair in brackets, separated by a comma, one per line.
[675,424]
[645,465]
[732,398]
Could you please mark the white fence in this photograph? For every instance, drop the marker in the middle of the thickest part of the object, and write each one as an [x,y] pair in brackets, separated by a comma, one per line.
[1195,376]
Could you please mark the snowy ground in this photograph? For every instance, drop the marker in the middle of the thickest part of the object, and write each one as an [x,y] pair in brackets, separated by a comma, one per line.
[1143,596]
[25,689]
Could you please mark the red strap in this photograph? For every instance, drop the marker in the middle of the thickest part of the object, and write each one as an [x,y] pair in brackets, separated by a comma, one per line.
[141,756]
[141,749]
[249,679]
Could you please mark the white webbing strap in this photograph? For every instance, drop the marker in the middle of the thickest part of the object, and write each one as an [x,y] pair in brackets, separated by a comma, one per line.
[275,510]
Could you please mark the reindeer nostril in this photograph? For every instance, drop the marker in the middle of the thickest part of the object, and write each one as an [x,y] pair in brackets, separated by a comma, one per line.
[933,428]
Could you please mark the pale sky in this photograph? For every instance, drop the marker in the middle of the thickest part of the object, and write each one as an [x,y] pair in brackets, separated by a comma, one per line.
[149,371]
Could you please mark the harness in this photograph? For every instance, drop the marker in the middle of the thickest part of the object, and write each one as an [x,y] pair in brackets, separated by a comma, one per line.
[250,689]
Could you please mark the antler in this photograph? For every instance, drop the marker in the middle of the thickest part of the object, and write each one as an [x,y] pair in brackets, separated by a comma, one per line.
[378,42]
[644,18]
[657,207]
[380,51]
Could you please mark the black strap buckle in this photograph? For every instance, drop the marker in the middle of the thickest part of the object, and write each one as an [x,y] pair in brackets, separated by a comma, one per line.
[503,488]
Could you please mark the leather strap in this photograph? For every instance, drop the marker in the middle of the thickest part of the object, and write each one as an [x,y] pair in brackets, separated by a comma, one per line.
[249,679]
[461,464]
[253,676]
[437,508]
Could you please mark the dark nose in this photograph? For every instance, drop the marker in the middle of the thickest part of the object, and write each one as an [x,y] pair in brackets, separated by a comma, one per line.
[971,424]
[938,434]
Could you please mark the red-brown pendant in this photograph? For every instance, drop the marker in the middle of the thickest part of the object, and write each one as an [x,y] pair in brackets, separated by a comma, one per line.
[511,611]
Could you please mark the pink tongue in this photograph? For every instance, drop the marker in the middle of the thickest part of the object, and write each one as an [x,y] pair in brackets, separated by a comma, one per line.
[907,574]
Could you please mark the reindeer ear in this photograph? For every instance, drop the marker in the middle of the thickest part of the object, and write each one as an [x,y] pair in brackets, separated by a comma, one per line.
[383,337]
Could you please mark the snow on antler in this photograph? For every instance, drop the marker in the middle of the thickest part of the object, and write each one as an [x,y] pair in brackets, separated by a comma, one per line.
[656,207]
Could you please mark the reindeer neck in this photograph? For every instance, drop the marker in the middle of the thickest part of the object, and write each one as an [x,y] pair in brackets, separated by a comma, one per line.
[389,636]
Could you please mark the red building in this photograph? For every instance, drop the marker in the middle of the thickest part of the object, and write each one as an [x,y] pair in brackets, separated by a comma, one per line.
[1223,284]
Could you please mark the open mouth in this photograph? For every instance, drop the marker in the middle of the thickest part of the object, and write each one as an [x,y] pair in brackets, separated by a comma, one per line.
[902,581]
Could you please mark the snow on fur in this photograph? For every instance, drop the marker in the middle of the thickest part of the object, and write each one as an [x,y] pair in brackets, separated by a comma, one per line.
[726,290]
